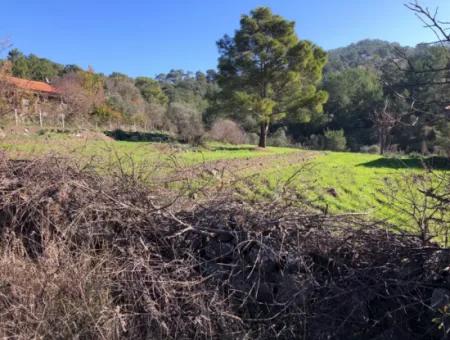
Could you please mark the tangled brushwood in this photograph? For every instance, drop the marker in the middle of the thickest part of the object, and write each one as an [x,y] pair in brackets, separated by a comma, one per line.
[95,257]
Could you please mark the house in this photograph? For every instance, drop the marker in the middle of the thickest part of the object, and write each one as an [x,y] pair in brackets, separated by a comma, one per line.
[32,100]
[32,86]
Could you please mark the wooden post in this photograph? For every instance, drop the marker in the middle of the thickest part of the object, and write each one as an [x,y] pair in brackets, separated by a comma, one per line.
[41,123]
[63,122]
[16,116]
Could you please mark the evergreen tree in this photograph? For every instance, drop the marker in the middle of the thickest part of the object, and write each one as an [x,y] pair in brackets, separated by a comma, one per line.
[268,73]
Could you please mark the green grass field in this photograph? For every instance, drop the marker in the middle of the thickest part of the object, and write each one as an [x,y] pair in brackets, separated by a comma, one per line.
[341,182]
[18,146]
[337,182]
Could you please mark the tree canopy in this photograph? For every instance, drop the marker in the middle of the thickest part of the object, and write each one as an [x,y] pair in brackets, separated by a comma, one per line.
[268,73]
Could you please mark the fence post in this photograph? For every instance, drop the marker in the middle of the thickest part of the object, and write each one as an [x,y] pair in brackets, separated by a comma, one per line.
[16,116]
[41,123]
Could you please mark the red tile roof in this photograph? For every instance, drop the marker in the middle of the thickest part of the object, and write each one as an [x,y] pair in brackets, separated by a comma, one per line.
[32,85]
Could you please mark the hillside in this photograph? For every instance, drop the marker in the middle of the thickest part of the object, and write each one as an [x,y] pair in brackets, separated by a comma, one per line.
[368,53]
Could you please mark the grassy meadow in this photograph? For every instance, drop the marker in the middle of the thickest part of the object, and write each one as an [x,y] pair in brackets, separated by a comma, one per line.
[103,149]
[336,182]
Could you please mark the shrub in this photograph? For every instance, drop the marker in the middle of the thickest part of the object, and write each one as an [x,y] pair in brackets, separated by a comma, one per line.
[186,122]
[370,149]
[316,142]
[228,131]
[124,96]
[278,138]
[105,113]
[335,140]
[156,115]
[252,138]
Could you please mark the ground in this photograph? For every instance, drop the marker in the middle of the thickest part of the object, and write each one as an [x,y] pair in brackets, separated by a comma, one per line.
[336,182]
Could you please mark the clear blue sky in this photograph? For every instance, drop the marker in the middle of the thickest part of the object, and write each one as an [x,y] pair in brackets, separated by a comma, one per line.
[147,37]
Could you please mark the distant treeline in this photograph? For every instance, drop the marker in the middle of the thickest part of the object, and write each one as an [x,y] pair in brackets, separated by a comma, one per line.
[410,85]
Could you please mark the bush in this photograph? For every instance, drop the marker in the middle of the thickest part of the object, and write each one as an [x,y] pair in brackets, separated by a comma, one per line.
[227,131]
[370,149]
[105,113]
[252,138]
[335,140]
[186,122]
[156,115]
[278,138]
[315,142]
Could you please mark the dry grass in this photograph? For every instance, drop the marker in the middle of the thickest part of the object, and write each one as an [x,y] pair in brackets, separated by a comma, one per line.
[92,257]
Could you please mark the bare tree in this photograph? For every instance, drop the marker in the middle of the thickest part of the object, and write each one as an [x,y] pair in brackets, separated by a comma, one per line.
[430,20]
[5,70]
[424,83]
[384,121]
[80,98]
[423,202]
[440,28]
[10,96]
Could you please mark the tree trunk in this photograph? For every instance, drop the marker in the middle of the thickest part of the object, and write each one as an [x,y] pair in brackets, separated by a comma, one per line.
[41,123]
[264,128]
[424,148]
[382,140]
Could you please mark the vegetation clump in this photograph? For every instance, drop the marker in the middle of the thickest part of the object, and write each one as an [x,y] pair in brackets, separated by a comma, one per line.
[335,140]
[227,131]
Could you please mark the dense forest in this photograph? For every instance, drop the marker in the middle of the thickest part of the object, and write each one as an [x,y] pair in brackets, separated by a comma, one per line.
[372,96]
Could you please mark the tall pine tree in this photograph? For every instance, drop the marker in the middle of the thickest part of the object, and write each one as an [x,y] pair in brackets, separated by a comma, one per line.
[268,73]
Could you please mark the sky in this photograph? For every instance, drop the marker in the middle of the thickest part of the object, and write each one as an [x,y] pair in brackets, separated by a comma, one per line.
[148,37]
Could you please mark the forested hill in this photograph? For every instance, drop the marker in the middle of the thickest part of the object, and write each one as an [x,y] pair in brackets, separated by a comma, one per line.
[373,52]
[358,80]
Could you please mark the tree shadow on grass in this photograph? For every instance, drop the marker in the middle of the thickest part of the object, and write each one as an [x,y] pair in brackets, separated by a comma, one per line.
[162,137]
[131,136]
[436,163]
[232,148]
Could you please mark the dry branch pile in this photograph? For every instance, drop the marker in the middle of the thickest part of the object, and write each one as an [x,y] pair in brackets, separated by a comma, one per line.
[91,257]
